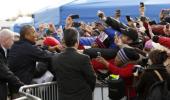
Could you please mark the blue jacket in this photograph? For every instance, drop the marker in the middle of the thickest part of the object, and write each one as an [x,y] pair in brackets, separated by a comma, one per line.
[87,41]
[111,34]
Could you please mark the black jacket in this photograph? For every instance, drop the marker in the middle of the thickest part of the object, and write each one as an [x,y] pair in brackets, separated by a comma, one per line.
[107,53]
[75,75]
[149,77]
[22,59]
[6,76]
[115,24]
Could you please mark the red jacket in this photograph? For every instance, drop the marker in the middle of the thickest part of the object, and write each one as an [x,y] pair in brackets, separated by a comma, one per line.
[165,41]
[125,72]
[158,29]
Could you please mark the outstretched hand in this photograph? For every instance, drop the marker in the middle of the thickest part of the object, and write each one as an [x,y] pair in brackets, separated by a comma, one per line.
[52,27]
[103,61]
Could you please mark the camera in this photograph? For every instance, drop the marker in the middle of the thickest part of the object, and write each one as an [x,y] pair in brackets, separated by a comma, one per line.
[75,16]
[117,13]
[153,22]
[137,70]
[128,18]
[76,24]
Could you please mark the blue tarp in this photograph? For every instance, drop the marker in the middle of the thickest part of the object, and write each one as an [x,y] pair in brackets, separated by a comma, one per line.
[50,14]
[87,9]
[20,22]
[47,16]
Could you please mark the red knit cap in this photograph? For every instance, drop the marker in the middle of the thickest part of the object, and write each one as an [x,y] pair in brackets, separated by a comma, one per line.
[50,41]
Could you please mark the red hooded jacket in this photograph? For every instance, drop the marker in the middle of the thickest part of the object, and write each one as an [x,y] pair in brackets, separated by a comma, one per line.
[165,41]
[125,72]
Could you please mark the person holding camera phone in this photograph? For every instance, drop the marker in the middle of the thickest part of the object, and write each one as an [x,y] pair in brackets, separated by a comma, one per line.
[123,65]
[149,77]
[131,22]
[142,9]
[117,14]
[112,22]
[70,21]
[85,30]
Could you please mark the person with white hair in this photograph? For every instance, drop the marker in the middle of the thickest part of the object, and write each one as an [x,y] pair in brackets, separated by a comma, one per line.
[6,38]
[6,76]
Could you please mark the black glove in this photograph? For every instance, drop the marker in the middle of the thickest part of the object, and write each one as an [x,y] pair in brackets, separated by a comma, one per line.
[155,38]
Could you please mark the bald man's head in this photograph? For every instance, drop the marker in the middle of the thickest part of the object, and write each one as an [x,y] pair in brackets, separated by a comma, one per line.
[6,38]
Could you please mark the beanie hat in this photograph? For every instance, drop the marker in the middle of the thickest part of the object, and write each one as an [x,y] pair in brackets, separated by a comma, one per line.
[155,38]
[127,54]
[131,33]
[50,41]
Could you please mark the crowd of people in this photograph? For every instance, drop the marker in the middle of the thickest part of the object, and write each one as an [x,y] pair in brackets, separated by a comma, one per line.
[77,53]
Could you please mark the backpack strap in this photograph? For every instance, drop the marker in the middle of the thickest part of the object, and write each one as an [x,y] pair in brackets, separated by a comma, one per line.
[158,74]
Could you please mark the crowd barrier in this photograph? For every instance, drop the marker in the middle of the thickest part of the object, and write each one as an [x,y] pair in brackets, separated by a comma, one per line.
[101,91]
[49,91]
[44,91]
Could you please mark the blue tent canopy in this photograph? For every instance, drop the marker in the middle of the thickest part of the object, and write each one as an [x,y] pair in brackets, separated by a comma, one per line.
[50,14]
[87,9]
[46,16]
[21,22]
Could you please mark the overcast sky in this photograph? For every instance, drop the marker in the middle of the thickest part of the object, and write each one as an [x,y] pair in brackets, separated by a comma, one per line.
[11,8]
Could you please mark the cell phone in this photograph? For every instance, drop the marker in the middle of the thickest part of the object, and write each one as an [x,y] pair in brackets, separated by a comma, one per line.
[99,54]
[117,13]
[75,16]
[100,14]
[142,4]
[128,18]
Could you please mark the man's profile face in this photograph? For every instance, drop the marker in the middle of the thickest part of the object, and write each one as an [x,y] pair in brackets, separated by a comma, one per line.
[124,39]
[32,35]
